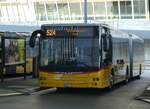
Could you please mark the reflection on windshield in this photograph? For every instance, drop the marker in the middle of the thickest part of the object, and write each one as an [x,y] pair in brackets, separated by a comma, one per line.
[69,54]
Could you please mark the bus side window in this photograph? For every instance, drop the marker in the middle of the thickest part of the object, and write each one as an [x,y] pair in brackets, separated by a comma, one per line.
[107,48]
[105,42]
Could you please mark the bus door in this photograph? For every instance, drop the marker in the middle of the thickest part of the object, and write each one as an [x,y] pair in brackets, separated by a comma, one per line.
[106,60]
[106,48]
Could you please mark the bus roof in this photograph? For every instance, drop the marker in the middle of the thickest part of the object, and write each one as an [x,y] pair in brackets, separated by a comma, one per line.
[135,37]
[77,24]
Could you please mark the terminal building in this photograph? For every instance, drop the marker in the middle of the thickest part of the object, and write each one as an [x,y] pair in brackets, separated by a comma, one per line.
[96,51]
[118,13]
[72,10]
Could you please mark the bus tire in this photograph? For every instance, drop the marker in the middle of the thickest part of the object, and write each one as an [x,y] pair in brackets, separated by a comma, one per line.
[138,77]
[110,83]
[126,81]
[140,71]
[127,75]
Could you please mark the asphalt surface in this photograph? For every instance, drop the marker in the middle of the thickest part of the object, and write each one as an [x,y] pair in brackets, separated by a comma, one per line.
[122,97]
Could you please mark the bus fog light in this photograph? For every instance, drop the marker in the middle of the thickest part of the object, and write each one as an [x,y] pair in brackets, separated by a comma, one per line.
[94,79]
[97,79]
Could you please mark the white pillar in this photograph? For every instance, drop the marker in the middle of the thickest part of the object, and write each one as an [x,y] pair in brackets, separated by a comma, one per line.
[106,9]
[57,9]
[93,9]
[147,9]
[69,9]
[119,9]
[132,7]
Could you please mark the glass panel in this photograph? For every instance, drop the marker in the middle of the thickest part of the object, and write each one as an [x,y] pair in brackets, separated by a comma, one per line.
[14,51]
[125,9]
[100,11]
[90,14]
[26,12]
[40,11]
[139,8]
[5,17]
[21,13]
[75,11]
[0,12]
[31,52]
[112,9]
[63,11]
[10,13]
[52,11]
[89,8]
[140,17]
[69,54]
[15,10]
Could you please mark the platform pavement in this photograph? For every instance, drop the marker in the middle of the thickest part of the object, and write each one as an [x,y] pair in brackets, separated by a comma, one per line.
[20,85]
[20,81]
[17,86]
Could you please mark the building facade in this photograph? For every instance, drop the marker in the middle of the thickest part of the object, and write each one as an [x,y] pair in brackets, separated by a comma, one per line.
[19,11]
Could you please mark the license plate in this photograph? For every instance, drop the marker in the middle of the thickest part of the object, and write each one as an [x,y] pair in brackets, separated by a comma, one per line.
[67,85]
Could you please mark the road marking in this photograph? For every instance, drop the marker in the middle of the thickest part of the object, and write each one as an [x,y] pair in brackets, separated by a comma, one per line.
[10,94]
[44,91]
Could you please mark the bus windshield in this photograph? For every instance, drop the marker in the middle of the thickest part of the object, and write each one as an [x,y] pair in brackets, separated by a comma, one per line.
[70,54]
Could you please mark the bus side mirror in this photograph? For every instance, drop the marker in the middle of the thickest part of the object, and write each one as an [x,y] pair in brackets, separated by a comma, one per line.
[33,37]
[105,43]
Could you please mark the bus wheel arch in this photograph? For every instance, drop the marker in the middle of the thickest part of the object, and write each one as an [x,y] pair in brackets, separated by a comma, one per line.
[111,78]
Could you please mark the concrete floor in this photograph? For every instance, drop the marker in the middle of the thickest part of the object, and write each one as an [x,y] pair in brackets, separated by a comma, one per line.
[120,98]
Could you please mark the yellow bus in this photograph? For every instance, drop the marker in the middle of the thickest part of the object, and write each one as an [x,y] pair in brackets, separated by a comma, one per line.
[87,55]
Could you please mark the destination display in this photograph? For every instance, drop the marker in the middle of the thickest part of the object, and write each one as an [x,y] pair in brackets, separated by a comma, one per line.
[70,31]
